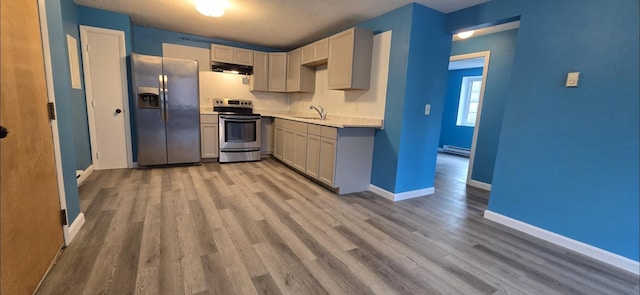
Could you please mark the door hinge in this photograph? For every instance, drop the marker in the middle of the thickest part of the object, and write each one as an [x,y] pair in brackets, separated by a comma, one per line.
[63,216]
[51,108]
[92,104]
[87,47]
[97,155]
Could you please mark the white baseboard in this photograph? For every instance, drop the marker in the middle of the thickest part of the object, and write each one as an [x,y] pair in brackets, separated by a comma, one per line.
[479,184]
[74,228]
[401,196]
[85,174]
[562,241]
[133,165]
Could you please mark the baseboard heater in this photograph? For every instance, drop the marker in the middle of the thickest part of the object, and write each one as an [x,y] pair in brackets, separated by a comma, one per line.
[456,150]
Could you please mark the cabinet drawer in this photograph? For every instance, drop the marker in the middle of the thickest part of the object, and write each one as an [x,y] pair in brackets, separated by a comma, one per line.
[295,126]
[213,119]
[329,132]
[314,129]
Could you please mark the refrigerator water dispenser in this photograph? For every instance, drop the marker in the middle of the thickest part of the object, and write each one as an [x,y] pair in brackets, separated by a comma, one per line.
[148,98]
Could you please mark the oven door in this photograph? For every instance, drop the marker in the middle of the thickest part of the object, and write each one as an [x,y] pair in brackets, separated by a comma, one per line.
[239,132]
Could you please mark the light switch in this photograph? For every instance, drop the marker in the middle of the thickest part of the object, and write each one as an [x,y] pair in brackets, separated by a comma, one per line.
[572,79]
[427,109]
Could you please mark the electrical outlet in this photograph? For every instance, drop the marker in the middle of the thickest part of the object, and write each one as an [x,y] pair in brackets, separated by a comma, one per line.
[427,109]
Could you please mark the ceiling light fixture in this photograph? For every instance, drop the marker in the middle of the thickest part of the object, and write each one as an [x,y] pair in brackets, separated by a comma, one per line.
[465,35]
[212,8]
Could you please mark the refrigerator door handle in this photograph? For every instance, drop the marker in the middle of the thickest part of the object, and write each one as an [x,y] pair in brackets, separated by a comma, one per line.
[161,96]
[166,98]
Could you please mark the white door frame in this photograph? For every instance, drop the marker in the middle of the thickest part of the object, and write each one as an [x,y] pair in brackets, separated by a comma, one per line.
[485,69]
[89,94]
[68,231]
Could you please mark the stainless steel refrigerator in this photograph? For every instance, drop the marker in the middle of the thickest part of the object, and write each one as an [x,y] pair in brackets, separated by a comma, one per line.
[167,110]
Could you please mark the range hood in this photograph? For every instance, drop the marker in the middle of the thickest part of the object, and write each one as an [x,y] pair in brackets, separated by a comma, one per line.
[224,67]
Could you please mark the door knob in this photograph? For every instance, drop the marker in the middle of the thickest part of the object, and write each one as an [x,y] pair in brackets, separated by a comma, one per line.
[118,111]
[3,132]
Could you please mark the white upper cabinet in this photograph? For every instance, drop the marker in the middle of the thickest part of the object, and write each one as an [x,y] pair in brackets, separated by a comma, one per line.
[299,78]
[316,53]
[349,65]
[260,77]
[277,71]
[228,54]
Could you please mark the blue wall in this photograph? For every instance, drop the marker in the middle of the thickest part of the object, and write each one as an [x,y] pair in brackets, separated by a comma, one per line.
[405,151]
[149,41]
[568,158]
[502,47]
[452,134]
[61,16]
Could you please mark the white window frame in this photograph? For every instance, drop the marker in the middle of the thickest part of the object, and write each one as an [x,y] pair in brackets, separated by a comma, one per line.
[465,100]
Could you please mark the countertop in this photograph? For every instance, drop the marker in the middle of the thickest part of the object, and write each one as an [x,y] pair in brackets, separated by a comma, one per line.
[331,120]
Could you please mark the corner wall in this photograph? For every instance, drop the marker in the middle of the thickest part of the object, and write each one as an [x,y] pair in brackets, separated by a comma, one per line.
[61,20]
[405,151]
[567,158]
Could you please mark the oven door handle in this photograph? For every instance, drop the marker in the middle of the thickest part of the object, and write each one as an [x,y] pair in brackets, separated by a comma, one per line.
[240,119]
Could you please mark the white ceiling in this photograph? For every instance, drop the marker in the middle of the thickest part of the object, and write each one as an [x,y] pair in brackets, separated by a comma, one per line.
[281,24]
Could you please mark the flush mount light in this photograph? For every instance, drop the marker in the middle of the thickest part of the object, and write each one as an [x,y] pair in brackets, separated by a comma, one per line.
[212,8]
[465,35]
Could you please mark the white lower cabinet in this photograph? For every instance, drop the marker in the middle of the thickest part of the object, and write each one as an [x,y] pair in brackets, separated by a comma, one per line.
[327,167]
[313,155]
[209,136]
[337,157]
[278,142]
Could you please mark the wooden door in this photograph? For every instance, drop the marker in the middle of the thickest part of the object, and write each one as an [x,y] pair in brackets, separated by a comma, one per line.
[30,228]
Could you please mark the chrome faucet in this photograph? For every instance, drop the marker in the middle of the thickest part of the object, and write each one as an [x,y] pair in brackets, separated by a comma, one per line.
[320,111]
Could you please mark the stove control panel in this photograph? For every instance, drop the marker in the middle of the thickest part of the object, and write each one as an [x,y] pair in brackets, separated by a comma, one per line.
[228,102]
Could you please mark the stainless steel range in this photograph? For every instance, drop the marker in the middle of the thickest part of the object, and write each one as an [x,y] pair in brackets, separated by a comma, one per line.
[239,130]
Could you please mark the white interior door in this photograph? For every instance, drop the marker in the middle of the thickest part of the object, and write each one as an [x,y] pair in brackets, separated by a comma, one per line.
[104,62]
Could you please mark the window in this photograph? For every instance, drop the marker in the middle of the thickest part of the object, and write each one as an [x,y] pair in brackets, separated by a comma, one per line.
[469,101]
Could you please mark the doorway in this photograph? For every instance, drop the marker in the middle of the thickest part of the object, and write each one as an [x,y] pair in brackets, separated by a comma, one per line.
[105,76]
[468,75]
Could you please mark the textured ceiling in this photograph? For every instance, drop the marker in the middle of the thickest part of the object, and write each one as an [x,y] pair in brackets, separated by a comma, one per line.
[282,24]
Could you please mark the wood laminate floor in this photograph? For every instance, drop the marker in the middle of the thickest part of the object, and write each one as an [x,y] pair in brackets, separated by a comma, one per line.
[260,228]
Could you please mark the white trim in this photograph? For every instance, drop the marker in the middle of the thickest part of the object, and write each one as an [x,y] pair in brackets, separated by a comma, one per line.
[75,228]
[85,174]
[562,241]
[46,52]
[88,90]
[400,196]
[485,70]
[479,184]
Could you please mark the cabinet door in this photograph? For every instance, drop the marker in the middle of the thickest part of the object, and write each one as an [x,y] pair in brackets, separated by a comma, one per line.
[277,71]
[346,69]
[293,71]
[260,77]
[326,172]
[221,53]
[278,149]
[307,54]
[243,56]
[289,146]
[313,155]
[209,140]
[300,151]
[340,59]
[321,51]
[299,78]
